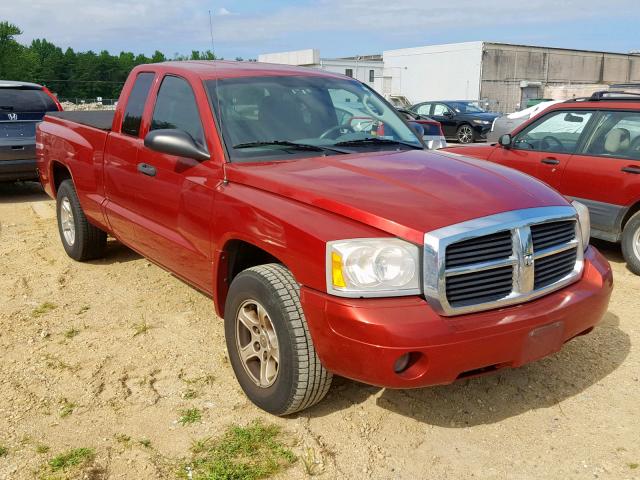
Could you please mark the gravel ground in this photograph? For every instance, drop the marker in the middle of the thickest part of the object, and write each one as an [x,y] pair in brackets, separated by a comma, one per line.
[104,354]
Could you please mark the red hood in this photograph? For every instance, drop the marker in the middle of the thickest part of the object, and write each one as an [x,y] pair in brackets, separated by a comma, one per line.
[402,193]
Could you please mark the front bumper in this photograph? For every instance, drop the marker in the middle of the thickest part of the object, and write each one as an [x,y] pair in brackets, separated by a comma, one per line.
[481,131]
[13,170]
[363,338]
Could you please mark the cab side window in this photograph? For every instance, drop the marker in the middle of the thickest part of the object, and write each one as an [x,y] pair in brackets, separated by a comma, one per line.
[135,105]
[616,135]
[424,109]
[439,109]
[557,132]
[176,108]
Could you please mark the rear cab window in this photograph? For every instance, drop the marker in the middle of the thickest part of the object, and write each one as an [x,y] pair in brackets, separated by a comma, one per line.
[135,105]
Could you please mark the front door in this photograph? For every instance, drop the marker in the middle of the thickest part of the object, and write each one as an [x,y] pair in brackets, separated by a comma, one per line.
[175,194]
[543,148]
[446,117]
[605,173]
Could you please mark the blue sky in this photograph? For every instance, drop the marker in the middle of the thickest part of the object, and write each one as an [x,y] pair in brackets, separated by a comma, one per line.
[336,27]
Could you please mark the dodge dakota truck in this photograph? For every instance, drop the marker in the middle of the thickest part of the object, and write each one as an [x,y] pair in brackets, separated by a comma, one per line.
[327,249]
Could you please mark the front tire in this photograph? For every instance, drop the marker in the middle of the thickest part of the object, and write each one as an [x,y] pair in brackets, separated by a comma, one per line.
[465,134]
[81,240]
[268,340]
[631,243]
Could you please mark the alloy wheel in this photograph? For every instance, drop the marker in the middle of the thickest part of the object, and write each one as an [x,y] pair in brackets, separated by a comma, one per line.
[67,221]
[257,343]
[465,134]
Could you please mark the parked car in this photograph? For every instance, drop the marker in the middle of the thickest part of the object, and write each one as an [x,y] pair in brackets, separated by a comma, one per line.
[326,251]
[433,136]
[508,123]
[589,150]
[22,105]
[461,120]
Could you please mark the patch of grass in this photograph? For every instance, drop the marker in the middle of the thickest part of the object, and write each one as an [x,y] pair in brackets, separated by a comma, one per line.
[72,332]
[72,458]
[243,453]
[633,466]
[42,309]
[4,451]
[145,442]
[140,328]
[42,448]
[189,394]
[83,309]
[122,438]
[54,362]
[67,408]
[189,416]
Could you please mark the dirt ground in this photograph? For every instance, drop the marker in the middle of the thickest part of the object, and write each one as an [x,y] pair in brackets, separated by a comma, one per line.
[104,354]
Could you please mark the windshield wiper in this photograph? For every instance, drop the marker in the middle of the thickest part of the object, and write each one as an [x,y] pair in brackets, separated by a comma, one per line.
[288,144]
[374,140]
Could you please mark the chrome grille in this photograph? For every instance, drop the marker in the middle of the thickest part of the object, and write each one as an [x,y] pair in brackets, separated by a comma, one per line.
[501,260]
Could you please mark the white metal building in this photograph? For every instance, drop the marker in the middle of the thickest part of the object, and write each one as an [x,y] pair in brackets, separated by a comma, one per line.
[366,68]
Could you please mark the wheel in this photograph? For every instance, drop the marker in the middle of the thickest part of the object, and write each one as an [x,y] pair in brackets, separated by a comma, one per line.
[631,243]
[269,344]
[81,240]
[465,134]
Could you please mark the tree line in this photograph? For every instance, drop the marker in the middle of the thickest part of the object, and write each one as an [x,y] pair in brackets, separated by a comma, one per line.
[72,74]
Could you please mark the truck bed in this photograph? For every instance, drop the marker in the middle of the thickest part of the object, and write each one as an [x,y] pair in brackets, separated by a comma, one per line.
[100,119]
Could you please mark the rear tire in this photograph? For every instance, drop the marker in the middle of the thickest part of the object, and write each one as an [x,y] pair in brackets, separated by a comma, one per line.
[264,321]
[81,240]
[631,243]
[465,134]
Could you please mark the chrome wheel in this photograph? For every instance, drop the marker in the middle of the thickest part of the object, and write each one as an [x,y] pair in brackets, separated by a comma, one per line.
[67,221]
[465,134]
[636,243]
[257,343]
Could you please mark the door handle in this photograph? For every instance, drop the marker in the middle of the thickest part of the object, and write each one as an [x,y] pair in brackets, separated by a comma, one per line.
[550,161]
[632,169]
[147,169]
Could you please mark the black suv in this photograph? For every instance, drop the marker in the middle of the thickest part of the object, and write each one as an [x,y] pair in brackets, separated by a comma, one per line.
[462,120]
[22,106]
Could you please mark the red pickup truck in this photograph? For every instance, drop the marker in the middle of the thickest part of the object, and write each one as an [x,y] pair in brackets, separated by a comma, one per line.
[327,250]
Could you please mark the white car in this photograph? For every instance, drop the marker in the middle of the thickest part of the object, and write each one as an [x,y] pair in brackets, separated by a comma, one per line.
[508,123]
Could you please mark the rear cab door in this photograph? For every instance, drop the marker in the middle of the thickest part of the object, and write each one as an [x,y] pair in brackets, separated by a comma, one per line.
[544,146]
[605,173]
[121,179]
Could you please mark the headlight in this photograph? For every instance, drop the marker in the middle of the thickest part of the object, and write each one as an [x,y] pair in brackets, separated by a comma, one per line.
[481,122]
[378,267]
[585,222]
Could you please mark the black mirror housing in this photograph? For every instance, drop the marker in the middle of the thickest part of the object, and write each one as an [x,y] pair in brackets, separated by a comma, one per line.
[175,142]
[505,140]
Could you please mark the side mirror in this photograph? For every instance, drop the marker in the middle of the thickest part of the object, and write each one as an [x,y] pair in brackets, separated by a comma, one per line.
[505,140]
[175,142]
[417,128]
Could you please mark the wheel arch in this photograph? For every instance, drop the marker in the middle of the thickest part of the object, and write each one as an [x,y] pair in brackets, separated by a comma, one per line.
[635,208]
[59,173]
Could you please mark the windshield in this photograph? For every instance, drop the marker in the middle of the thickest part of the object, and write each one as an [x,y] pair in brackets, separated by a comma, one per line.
[466,107]
[261,118]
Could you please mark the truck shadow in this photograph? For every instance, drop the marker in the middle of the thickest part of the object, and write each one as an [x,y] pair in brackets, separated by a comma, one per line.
[582,363]
[117,253]
[22,192]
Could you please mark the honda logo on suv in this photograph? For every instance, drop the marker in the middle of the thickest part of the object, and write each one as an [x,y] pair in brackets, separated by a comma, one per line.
[13,116]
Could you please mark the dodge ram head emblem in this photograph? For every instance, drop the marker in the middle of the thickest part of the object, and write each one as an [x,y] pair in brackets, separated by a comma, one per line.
[13,116]
[528,260]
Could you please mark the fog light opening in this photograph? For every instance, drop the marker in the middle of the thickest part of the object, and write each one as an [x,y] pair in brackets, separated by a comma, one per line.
[405,362]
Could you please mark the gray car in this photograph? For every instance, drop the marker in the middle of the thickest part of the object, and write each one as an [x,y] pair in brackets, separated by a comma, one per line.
[22,106]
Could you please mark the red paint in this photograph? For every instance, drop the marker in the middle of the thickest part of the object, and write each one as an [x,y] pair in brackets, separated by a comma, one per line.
[582,176]
[185,218]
